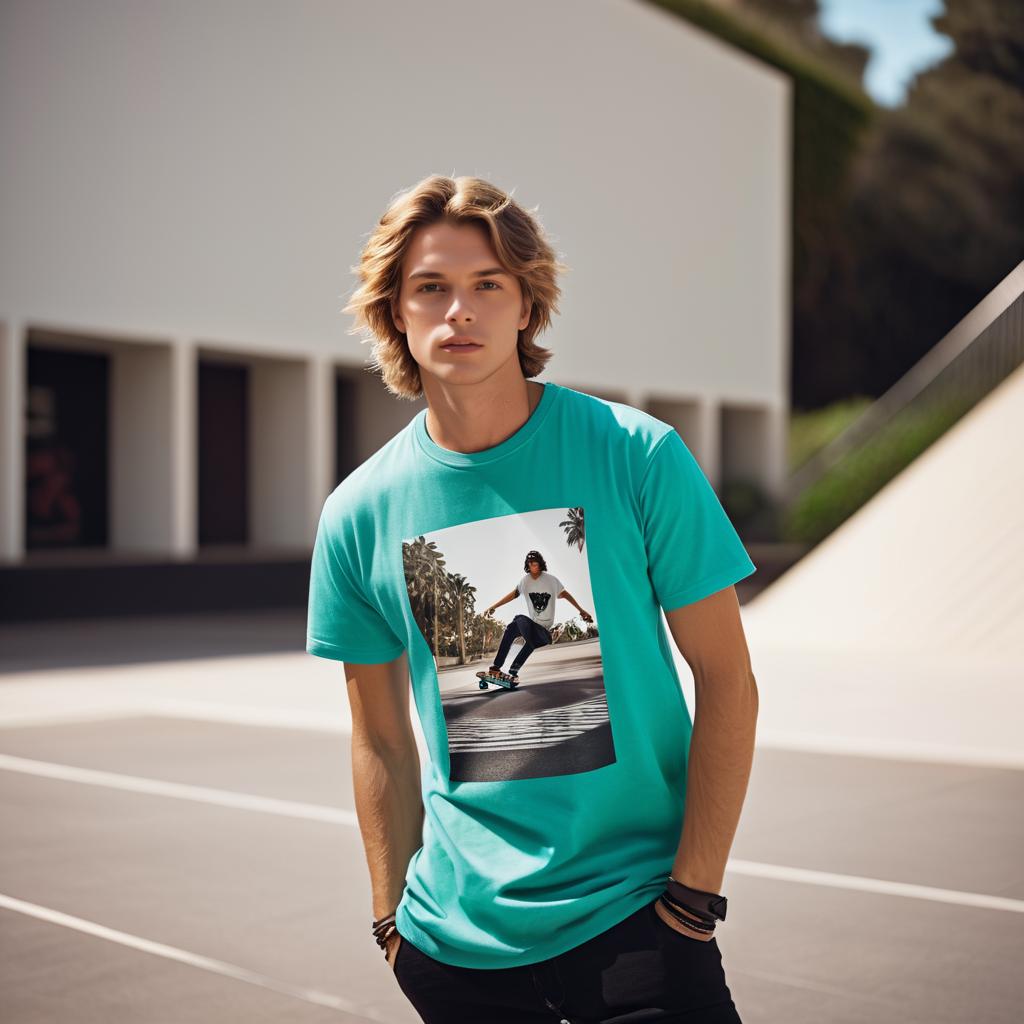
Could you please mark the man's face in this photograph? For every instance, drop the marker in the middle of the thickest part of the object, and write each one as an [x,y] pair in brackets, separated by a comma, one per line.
[445,293]
[534,567]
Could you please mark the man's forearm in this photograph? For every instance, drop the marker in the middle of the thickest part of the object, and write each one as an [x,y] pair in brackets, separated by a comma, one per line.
[389,807]
[721,754]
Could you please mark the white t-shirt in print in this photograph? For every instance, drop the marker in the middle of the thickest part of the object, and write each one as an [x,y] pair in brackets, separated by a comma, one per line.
[540,594]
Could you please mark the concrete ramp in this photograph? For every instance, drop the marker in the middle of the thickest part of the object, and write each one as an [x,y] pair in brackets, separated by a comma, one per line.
[902,633]
[933,563]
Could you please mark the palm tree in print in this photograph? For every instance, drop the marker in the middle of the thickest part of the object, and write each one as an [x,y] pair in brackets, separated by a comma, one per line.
[574,533]
[463,593]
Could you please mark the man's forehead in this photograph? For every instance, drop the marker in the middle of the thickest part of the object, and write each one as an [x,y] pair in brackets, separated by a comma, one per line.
[492,271]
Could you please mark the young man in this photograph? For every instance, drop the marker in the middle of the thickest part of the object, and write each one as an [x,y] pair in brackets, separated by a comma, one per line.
[541,590]
[583,895]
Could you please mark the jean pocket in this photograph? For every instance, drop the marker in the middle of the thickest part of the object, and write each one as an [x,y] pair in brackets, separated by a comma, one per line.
[402,943]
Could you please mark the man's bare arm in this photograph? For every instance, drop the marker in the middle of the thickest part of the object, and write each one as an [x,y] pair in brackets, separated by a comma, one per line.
[709,635]
[502,600]
[584,614]
[385,776]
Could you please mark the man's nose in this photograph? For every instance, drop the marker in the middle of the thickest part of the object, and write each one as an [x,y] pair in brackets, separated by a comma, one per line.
[459,307]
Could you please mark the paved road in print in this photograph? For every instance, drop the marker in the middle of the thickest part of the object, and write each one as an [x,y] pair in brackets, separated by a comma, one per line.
[554,723]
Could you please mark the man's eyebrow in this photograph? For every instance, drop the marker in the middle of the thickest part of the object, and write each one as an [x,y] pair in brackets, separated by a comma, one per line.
[489,272]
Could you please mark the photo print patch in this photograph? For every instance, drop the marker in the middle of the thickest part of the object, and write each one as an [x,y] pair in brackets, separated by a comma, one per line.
[506,608]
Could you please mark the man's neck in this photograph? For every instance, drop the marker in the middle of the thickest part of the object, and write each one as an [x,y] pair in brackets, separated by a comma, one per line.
[468,420]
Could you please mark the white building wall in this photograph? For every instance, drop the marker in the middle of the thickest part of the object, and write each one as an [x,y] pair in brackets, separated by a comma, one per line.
[183,171]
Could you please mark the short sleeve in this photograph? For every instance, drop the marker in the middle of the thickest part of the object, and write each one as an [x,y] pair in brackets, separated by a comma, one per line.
[341,622]
[693,549]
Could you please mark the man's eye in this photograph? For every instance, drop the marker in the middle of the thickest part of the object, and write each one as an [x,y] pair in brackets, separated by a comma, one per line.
[432,284]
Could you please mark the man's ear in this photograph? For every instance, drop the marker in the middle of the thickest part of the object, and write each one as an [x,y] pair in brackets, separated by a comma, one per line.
[396,318]
[524,316]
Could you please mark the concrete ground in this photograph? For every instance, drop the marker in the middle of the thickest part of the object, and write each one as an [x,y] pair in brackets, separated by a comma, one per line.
[180,842]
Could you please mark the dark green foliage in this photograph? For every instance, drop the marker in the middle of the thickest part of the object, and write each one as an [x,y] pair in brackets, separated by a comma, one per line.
[862,474]
[903,220]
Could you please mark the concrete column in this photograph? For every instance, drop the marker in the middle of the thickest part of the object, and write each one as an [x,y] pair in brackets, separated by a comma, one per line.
[141,448]
[280,458]
[753,444]
[777,469]
[707,444]
[12,440]
[321,438]
[184,456]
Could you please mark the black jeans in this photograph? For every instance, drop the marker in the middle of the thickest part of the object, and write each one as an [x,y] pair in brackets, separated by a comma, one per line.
[637,971]
[533,634]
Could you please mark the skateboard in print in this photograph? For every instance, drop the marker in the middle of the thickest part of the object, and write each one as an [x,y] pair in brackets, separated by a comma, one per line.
[504,680]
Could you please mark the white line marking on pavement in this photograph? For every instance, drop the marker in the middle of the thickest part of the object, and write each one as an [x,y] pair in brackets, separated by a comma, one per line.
[341,816]
[28,719]
[266,717]
[806,876]
[201,794]
[195,710]
[892,750]
[183,956]
[336,723]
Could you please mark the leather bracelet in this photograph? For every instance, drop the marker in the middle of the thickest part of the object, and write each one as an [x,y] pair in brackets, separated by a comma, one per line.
[709,906]
[672,908]
[382,929]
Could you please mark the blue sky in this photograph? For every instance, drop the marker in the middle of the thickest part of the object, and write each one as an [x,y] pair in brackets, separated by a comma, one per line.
[901,38]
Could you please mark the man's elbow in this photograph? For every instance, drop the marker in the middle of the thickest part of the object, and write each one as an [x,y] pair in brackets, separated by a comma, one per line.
[735,686]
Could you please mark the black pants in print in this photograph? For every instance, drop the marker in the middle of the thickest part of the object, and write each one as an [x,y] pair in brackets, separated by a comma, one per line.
[534,635]
[638,971]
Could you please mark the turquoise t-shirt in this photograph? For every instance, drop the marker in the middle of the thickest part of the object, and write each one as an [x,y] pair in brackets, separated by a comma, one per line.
[552,810]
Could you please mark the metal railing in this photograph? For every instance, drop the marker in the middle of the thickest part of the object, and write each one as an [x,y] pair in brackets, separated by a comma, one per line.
[980,352]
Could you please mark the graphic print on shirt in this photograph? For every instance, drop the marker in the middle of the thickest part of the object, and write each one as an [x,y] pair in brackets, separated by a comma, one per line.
[513,594]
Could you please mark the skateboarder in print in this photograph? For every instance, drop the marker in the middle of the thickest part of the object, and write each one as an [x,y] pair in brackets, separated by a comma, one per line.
[541,590]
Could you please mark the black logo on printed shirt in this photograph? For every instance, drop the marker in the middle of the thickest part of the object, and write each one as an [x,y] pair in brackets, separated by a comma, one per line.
[540,601]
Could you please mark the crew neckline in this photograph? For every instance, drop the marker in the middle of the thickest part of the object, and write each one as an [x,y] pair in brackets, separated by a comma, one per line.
[498,451]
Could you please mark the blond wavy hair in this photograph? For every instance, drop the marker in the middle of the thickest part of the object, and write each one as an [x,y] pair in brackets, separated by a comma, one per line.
[518,241]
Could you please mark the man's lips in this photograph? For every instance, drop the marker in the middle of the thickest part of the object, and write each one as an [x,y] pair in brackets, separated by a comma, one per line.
[449,346]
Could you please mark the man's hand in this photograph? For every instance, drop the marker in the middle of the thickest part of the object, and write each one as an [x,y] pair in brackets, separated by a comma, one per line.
[489,611]
[586,616]
[391,947]
[672,922]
